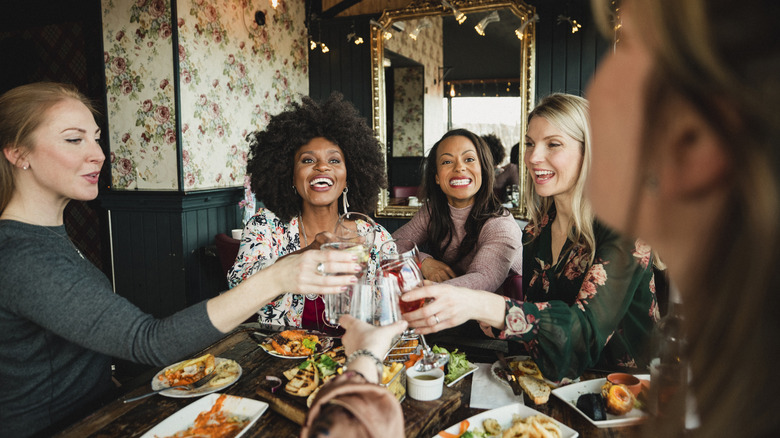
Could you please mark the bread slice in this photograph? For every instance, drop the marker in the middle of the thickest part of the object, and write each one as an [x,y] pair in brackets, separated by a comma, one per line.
[304,382]
[526,367]
[537,390]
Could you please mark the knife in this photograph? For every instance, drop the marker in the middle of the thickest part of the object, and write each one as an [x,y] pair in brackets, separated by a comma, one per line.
[509,375]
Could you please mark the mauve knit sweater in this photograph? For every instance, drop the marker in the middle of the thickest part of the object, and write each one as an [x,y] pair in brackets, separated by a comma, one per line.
[498,251]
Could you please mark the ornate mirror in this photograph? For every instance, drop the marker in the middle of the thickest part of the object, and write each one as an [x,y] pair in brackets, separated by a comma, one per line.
[412,96]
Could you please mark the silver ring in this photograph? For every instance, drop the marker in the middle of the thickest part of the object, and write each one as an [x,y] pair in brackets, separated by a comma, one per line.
[437,318]
[320,268]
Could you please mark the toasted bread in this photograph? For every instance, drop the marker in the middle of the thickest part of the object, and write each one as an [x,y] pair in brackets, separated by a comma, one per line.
[305,381]
[537,389]
[526,367]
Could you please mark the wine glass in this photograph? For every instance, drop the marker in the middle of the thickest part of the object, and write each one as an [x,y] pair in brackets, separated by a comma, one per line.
[404,268]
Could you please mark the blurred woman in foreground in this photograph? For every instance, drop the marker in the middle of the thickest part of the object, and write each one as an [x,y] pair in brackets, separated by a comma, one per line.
[579,277]
[686,156]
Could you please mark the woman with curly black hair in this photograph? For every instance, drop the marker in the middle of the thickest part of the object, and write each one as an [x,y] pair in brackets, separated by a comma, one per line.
[311,163]
[473,241]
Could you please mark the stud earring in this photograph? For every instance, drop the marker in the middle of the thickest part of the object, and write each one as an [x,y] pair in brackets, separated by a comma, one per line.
[295,190]
[25,166]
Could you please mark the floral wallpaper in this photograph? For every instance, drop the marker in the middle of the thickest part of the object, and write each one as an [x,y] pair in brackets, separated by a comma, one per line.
[408,112]
[428,50]
[232,75]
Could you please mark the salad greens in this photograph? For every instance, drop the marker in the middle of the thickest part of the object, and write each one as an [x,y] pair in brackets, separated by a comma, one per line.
[457,366]
[324,363]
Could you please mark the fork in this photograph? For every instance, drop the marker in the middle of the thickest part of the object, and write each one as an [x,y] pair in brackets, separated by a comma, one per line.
[189,387]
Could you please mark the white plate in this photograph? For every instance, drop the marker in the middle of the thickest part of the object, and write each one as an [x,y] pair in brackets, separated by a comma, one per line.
[472,368]
[497,366]
[197,392]
[326,344]
[571,393]
[185,417]
[504,417]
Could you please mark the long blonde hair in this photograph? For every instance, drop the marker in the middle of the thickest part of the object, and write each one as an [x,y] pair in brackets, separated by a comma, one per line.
[22,110]
[568,113]
[716,55]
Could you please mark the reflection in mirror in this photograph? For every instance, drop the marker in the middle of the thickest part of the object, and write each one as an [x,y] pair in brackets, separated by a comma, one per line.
[416,35]
[405,88]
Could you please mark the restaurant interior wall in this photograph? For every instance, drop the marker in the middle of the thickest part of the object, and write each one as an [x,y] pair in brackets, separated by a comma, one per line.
[186,82]
[565,61]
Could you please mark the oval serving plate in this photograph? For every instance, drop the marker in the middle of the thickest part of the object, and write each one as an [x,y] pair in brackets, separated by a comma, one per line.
[226,368]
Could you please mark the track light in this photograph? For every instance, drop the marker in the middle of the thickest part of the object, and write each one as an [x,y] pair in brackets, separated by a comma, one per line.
[574,25]
[520,31]
[416,32]
[483,23]
[460,17]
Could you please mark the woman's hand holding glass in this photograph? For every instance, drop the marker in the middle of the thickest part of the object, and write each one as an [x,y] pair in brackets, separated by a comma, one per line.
[404,269]
[305,272]
[450,306]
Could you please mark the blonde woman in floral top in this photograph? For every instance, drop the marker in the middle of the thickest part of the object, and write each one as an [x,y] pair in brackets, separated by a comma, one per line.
[311,163]
[589,294]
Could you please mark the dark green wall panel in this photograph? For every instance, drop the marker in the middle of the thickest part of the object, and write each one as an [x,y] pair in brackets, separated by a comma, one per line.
[163,245]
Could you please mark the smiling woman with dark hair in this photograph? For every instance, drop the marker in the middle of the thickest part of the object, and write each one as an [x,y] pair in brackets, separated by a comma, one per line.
[311,163]
[473,241]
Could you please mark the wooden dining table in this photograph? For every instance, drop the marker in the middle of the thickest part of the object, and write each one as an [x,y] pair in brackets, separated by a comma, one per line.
[421,418]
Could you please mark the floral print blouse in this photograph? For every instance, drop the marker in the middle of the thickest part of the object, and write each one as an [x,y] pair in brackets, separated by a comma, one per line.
[577,315]
[265,239]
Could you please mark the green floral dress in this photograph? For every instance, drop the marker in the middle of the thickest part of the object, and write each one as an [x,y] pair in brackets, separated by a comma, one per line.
[577,315]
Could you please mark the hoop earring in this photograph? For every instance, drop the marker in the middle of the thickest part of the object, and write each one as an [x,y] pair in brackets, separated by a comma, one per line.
[295,190]
[344,199]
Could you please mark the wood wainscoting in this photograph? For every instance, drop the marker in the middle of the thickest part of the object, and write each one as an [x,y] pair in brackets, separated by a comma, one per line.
[162,245]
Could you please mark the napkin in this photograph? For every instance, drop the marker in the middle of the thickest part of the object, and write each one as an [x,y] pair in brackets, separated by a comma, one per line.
[487,392]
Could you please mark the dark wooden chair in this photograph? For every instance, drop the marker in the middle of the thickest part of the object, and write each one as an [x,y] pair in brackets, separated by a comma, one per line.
[227,250]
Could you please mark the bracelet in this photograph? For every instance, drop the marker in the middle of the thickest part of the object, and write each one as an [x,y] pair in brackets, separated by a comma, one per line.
[362,352]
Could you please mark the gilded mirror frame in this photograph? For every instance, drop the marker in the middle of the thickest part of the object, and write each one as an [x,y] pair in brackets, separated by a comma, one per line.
[424,8]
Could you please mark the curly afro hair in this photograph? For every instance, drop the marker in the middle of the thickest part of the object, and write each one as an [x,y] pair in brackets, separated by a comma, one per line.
[272,154]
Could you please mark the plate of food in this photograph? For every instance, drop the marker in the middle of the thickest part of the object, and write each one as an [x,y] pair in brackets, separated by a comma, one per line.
[515,417]
[226,372]
[591,393]
[213,415]
[295,344]
[523,366]
[458,366]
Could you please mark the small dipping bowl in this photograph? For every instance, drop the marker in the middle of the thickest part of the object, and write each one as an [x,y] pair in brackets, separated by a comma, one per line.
[424,385]
[631,382]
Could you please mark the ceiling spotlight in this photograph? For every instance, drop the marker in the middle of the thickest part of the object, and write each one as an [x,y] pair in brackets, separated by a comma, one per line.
[324,48]
[312,44]
[352,37]
[460,17]
[416,32]
[574,25]
[483,23]
[520,31]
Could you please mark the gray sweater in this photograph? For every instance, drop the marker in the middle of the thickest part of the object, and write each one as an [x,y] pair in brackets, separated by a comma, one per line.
[60,323]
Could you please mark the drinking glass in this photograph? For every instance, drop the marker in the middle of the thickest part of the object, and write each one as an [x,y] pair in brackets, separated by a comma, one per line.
[339,304]
[404,269]
[386,296]
[347,230]
[362,302]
